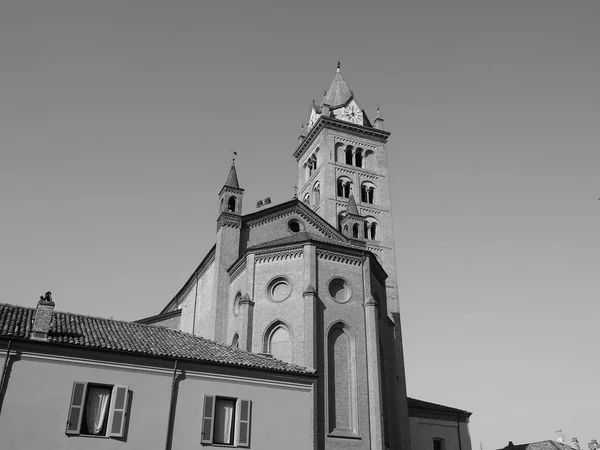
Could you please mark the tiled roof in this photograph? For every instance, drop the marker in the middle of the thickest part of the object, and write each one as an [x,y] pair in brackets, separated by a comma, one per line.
[414,403]
[542,445]
[15,321]
[129,337]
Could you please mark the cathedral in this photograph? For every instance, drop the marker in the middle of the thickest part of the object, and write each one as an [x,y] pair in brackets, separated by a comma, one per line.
[287,334]
[313,282]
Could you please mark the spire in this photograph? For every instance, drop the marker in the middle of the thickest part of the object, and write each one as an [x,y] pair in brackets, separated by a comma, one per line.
[339,92]
[352,208]
[378,120]
[232,179]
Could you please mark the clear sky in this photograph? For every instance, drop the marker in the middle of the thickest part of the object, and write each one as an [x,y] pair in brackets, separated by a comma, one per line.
[117,119]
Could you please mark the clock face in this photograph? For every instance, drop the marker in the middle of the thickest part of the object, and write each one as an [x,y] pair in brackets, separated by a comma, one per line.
[352,114]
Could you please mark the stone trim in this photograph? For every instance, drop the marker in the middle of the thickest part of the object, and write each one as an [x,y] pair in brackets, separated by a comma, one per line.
[229,220]
[331,123]
[363,145]
[288,212]
[280,255]
[237,269]
[339,257]
[433,415]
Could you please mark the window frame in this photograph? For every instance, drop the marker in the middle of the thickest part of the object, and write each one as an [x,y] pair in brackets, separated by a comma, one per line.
[241,427]
[113,412]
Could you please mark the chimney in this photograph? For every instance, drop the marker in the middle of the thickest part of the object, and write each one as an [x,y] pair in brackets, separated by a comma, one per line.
[43,315]
[575,444]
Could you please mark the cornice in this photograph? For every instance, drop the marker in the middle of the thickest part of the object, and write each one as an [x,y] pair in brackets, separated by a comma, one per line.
[230,220]
[361,144]
[290,211]
[434,415]
[279,255]
[336,124]
[343,258]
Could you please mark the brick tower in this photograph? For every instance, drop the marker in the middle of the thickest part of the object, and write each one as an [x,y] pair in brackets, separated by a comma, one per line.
[343,171]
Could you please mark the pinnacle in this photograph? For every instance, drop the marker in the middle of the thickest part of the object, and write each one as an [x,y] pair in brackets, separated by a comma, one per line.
[352,208]
[232,179]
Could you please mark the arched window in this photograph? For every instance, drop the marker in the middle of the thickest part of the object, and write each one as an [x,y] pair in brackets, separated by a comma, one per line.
[341,386]
[355,229]
[349,155]
[374,231]
[343,187]
[345,229]
[371,228]
[367,193]
[339,153]
[317,192]
[278,342]
[231,204]
[358,159]
[306,199]
[235,342]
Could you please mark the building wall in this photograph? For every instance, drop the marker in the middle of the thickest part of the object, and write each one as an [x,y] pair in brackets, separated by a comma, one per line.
[38,393]
[423,431]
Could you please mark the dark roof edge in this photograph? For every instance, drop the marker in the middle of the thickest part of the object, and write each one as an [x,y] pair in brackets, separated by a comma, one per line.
[157,317]
[306,373]
[415,405]
[192,277]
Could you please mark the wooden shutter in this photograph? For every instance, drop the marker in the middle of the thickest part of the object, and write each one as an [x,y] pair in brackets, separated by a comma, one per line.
[76,407]
[118,411]
[208,419]
[245,409]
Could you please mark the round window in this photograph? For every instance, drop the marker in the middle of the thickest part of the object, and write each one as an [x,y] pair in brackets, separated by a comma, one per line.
[294,226]
[279,289]
[339,290]
[236,304]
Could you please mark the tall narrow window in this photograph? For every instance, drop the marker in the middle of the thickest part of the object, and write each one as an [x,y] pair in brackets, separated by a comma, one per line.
[374,231]
[349,155]
[355,230]
[306,199]
[317,192]
[341,382]
[438,444]
[358,159]
[231,204]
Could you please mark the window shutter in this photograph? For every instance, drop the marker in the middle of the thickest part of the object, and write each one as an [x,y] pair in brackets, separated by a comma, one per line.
[118,411]
[245,410]
[208,418]
[76,407]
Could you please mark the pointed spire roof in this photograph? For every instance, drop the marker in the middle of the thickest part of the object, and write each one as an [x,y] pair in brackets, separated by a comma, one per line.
[352,208]
[338,93]
[232,179]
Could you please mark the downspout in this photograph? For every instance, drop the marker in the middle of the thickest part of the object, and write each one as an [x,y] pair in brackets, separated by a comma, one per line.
[5,368]
[171,409]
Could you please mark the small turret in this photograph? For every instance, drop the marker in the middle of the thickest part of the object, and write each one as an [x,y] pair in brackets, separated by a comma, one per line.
[353,224]
[378,122]
[230,196]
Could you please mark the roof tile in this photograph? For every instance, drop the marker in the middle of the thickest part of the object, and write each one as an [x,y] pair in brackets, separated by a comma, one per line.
[130,337]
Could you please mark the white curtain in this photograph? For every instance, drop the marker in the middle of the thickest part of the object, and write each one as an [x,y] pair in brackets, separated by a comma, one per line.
[224,421]
[96,408]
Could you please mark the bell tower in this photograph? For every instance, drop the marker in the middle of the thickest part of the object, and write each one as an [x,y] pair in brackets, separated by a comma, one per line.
[343,176]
